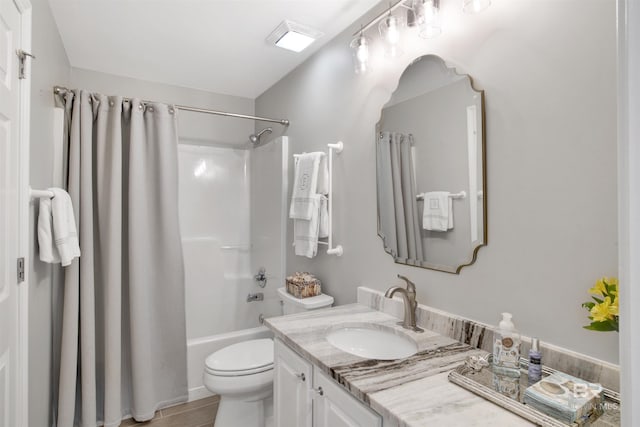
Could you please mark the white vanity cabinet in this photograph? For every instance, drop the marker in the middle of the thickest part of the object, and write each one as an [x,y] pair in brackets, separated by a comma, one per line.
[292,377]
[304,396]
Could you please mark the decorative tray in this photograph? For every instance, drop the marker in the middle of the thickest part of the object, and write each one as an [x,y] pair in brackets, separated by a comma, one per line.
[477,376]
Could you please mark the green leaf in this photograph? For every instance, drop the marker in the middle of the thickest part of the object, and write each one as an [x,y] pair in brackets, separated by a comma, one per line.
[605,326]
[598,300]
[608,288]
[588,305]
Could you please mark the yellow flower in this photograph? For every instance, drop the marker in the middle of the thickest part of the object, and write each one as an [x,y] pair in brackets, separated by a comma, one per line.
[601,312]
[598,288]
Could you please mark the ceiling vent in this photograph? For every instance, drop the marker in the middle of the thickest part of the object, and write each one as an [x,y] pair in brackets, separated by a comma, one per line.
[293,36]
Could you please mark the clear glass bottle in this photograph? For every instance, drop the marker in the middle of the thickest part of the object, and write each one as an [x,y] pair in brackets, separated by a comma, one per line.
[506,348]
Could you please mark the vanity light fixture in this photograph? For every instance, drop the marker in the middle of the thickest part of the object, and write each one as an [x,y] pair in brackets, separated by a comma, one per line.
[360,49]
[475,6]
[293,36]
[423,14]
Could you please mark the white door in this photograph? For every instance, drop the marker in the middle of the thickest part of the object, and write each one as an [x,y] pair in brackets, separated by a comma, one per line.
[334,407]
[291,386]
[10,41]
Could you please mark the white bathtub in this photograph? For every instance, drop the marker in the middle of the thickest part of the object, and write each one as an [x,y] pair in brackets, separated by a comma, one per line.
[199,348]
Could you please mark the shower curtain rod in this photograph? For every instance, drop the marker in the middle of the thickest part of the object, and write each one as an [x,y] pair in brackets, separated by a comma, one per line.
[284,122]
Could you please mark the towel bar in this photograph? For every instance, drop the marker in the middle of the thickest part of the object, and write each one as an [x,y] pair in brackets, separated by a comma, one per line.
[37,194]
[337,149]
[331,250]
[460,195]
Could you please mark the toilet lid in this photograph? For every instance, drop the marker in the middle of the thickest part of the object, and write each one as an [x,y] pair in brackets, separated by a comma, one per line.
[243,358]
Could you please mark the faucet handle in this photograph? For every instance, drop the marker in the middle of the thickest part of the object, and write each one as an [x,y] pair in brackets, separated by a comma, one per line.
[411,287]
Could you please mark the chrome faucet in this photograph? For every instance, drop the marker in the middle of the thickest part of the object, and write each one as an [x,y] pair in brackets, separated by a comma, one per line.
[410,304]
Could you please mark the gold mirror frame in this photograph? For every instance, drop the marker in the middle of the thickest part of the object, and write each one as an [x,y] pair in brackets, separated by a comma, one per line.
[457,266]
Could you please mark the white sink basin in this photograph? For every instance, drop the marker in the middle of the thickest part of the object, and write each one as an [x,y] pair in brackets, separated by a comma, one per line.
[372,342]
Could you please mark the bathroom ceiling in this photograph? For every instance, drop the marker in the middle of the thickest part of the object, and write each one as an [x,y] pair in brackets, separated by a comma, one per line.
[213,45]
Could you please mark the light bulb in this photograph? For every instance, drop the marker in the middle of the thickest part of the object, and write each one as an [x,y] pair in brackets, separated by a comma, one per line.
[431,26]
[362,53]
[418,10]
[393,32]
[430,11]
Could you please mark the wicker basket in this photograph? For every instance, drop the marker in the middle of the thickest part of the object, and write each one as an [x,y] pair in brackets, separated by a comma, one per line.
[303,285]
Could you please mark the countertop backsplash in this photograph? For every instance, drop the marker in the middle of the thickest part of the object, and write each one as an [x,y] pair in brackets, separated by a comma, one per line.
[480,336]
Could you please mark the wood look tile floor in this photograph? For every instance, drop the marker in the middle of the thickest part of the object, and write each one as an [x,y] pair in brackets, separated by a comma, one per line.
[199,413]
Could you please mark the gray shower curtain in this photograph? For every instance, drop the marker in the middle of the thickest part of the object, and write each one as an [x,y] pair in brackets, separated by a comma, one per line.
[398,221]
[123,347]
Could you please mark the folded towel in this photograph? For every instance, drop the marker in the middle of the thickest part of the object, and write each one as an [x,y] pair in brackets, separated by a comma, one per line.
[305,232]
[323,176]
[305,184]
[323,227]
[437,211]
[57,234]
[48,251]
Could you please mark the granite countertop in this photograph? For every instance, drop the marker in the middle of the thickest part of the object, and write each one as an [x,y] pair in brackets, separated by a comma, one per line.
[410,392]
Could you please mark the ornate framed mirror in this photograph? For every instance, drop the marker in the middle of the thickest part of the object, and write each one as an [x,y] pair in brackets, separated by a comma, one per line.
[431,169]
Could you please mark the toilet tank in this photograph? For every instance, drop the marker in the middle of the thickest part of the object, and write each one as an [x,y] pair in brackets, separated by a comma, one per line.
[291,304]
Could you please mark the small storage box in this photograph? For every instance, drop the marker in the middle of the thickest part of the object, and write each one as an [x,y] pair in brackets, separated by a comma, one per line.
[303,285]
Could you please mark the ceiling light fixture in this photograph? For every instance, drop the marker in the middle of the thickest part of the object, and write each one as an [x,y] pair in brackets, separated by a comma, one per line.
[293,36]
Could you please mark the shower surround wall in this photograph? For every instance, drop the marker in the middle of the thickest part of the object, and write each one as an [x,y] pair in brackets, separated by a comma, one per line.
[231,204]
[214,223]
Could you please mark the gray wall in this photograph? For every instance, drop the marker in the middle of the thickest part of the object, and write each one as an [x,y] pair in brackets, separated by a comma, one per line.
[549,74]
[193,128]
[50,68]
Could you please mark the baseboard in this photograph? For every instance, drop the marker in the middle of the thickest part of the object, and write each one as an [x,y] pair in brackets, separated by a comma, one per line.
[198,393]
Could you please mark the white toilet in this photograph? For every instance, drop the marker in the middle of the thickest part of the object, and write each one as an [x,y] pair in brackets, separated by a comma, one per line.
[242,373]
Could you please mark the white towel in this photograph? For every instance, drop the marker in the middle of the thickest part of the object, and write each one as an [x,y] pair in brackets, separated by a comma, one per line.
[437,211]
[305,232]
[305,184]
[323,227]
[57,235]
[323,176]
[48,252]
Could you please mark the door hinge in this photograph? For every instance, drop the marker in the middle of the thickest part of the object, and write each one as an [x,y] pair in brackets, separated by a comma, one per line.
[20,269]
[22,66]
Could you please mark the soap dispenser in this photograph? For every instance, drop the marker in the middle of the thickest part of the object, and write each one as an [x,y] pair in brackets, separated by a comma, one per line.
[506,348]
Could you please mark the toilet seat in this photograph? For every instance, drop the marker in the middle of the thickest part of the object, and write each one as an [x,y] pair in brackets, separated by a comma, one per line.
[240,359]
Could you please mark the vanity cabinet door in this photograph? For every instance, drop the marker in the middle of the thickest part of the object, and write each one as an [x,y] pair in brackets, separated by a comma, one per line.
[291,388]
[334,407]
